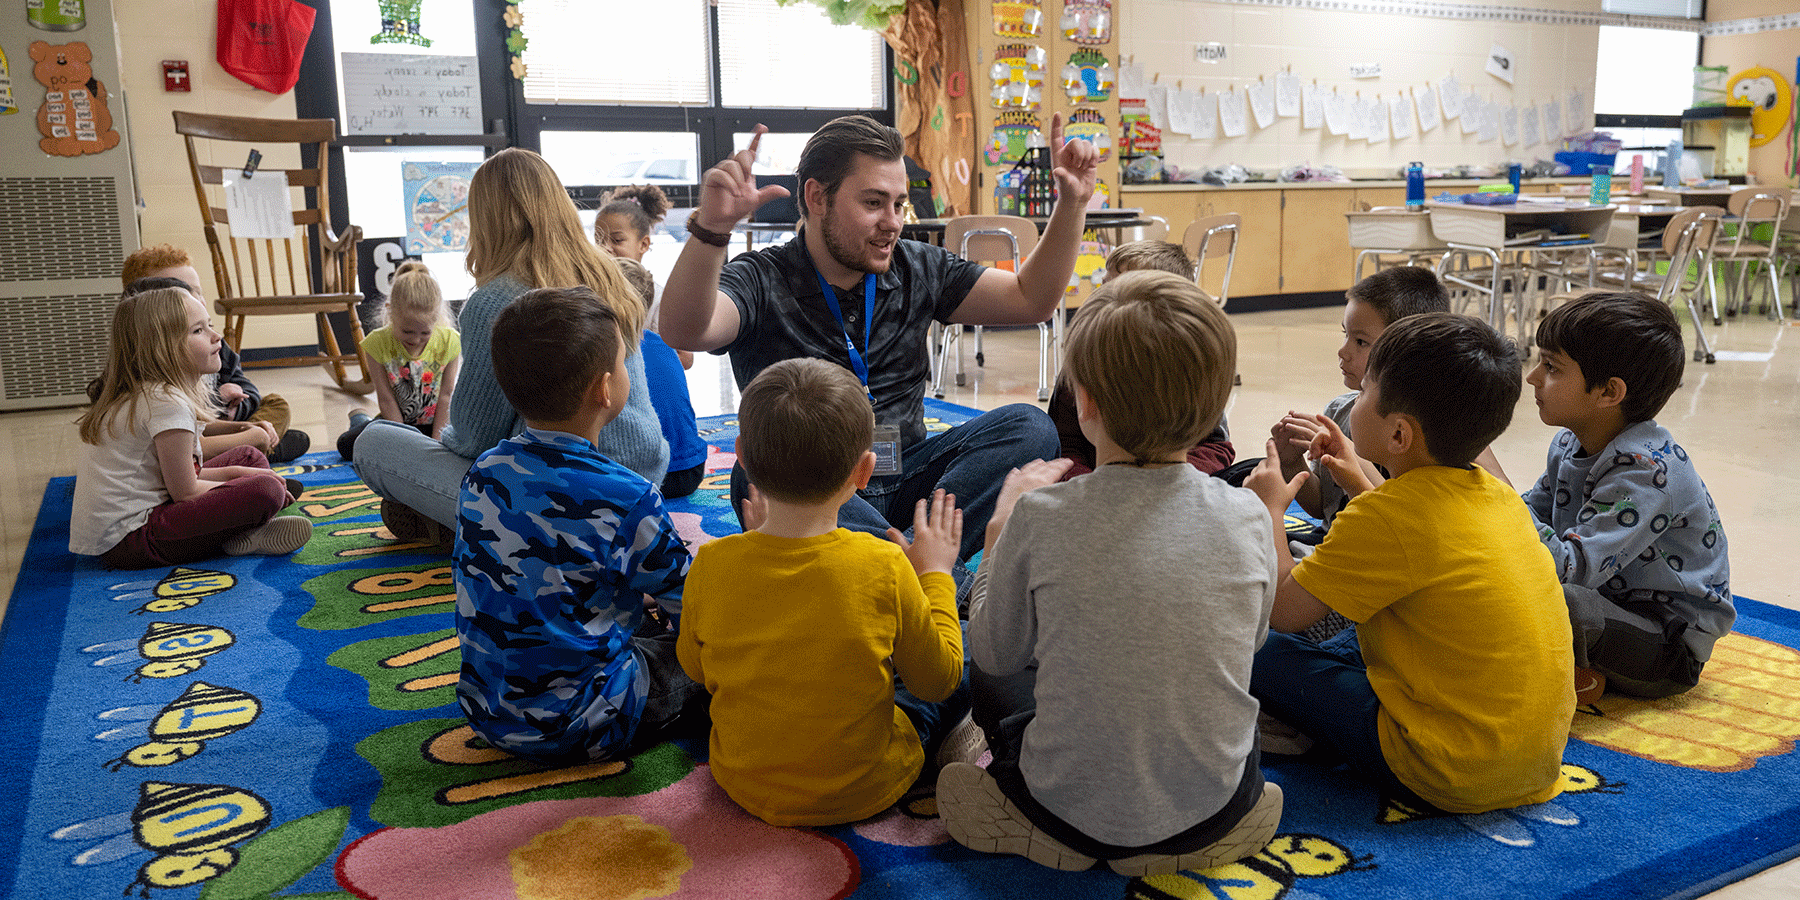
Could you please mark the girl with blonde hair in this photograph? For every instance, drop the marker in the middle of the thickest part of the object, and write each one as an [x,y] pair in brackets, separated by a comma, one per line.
[524,233]
[418,354]
[142,496]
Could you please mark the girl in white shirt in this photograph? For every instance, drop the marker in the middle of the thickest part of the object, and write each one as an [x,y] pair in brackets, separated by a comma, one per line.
[142,496]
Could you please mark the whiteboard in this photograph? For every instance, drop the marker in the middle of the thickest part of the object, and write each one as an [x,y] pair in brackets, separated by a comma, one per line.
[391,93]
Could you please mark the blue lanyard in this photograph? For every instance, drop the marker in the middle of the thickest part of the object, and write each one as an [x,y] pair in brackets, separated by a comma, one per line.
[856,360]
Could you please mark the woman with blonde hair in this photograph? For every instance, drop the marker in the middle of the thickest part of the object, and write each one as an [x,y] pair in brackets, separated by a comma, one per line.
[523,234]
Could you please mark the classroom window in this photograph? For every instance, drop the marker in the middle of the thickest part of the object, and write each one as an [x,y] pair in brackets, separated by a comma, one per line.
[1624,85]
[583,51]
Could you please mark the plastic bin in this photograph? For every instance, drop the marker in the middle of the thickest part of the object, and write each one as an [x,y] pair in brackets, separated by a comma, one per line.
[1582,163]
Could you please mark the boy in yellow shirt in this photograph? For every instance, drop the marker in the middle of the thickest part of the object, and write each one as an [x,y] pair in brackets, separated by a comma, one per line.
[1455,690]
[799,628]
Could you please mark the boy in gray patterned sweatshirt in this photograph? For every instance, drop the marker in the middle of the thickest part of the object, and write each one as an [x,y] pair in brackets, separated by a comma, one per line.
[1634,533]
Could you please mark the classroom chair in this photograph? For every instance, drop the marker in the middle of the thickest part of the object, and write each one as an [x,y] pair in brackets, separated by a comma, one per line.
[1687,244]
[1003,240]
[1213,237]
[311,270]
[1753,207]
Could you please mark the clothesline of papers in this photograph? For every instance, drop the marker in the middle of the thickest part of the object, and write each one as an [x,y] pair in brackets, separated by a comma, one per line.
[1375,118]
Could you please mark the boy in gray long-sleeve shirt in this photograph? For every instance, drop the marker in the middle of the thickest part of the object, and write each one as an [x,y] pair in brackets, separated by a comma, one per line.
[1114,617]
[1636,538]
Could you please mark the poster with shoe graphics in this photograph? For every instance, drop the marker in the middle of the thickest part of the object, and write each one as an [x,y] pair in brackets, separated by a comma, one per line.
[73,118]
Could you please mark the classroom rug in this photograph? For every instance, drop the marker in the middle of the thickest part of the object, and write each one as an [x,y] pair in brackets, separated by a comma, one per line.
[260,727]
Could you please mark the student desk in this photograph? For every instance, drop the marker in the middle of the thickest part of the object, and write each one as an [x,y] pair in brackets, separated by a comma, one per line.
[1391,231]
[1491,233]
[1635,227]
[1692,196]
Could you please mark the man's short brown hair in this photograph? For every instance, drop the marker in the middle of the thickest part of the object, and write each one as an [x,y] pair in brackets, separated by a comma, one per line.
[802,426]
[549,346]
[1159,255]
[1157,358]
[153,259]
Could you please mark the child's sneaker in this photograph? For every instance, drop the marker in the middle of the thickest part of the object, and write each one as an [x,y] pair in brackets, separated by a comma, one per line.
[1252,833]
[1279,737]
[277,537]
[1589,685]
[965,743]
[980,818]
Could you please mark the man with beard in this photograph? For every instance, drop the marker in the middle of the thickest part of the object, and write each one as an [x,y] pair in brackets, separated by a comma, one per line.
[848,289]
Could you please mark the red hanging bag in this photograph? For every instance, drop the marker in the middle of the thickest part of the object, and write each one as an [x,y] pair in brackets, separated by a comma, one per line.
[261,41]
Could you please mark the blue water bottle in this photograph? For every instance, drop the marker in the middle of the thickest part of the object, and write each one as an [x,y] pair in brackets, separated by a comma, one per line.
[1514,173]
[1672,165]
[1600,191]
[1415,185]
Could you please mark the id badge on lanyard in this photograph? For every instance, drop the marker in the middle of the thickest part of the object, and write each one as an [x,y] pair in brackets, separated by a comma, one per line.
[887,437]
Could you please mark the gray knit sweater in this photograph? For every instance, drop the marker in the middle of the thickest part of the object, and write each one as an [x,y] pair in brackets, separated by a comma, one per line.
[481,417]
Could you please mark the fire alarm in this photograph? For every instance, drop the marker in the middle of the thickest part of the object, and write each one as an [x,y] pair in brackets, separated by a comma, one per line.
[175,75]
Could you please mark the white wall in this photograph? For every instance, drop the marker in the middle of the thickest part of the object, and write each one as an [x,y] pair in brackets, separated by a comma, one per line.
[1413,51]
[150,32]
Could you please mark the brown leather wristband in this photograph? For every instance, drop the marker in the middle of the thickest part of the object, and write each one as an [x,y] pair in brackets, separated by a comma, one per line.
[704,234]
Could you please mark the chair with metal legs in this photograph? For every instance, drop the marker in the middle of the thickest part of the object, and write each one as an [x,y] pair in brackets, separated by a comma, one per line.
[1687,243]
[1753,207]
[990,239]
[1213,237]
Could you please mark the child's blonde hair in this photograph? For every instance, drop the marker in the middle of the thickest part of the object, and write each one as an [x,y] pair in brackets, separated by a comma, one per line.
[1158,255]
[416,295]
[1157,358]
[639,278]
[144,351]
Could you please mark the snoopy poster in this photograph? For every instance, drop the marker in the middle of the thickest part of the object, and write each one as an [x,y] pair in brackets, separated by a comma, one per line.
[1769,97]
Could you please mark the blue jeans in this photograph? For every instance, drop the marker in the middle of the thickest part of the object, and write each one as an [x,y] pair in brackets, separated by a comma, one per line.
[970,461]
[400,463]
[1323,690]
[933,721]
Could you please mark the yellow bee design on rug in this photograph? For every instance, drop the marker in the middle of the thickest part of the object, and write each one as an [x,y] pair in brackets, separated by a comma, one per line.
[202,713]
[1508,826]
[182,588]
[1268,875]
[1735,716]
[191,828]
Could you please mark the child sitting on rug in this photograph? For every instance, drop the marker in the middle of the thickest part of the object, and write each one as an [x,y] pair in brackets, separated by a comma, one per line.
[143,497]
[1134,743]
[556,548]
[1370,306]
[1634,533]
[246,415]
[669,395]
[415,355]
[1213,452]
[1461,703]
[800,628]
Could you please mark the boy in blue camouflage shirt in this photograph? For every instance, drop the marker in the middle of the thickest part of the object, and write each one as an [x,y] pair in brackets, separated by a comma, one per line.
[557,547]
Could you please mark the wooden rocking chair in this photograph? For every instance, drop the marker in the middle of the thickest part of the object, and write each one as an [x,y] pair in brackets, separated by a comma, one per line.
[261,276]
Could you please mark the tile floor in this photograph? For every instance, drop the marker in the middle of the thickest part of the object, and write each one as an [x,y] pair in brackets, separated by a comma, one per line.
[1738,418]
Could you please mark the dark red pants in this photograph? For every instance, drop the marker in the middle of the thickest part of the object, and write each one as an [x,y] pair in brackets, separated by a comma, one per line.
[190,530]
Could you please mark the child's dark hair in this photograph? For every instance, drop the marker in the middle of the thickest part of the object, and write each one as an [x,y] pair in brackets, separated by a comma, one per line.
[642,205]
[1401,291]
[1455,374]
[1623,335]
[1161,255]
[802,426]
[549,345]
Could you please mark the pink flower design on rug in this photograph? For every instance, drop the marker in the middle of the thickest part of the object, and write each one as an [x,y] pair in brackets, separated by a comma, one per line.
[688,836]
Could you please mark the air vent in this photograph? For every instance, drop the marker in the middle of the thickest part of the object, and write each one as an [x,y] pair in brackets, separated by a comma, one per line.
[56,229]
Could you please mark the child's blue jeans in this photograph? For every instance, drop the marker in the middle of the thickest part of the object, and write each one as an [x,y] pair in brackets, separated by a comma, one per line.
[1323,690]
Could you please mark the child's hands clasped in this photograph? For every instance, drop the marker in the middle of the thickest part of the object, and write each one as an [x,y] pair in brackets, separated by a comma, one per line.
[937,534]
[1293,435]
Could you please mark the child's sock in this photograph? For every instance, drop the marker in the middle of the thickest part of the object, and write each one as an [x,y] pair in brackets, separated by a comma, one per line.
[276,537]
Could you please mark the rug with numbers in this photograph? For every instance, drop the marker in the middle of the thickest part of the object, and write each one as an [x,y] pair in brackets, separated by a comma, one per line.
[257,728]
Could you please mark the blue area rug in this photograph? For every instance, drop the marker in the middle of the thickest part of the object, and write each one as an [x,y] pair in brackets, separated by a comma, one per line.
[254,727]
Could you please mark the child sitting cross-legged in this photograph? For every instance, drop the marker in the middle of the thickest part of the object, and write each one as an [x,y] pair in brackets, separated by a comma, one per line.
[1455,690]
[1634,533]
[1114,617]
[557,546]
[799,628]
